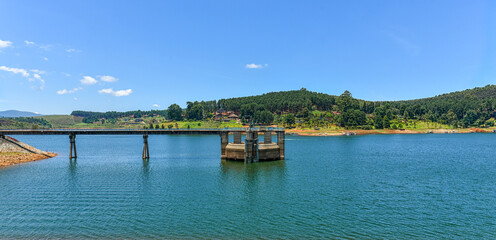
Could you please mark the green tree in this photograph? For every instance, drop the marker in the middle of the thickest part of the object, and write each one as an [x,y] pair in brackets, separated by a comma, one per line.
[353,118]
[248,110]
[174,112]
[194,111]
[264,117]
[386,122]
[289,119]
[469,118]
[346,101]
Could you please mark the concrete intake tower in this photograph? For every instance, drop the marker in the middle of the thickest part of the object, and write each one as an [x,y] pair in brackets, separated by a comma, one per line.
[252,150]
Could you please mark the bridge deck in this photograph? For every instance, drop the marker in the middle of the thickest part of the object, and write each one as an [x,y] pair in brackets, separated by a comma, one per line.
[127,131]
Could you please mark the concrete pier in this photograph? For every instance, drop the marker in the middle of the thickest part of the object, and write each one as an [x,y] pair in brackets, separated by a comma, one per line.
[146,150]
[224,140]
[267,137]
[281,142]
[237,137]
[251,146]
[72,140]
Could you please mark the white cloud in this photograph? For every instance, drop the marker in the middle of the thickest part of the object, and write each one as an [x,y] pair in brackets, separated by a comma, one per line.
[4,44]
[65,91]
[35,75]
[23,72]
[37,71]
[255,66]
[108,78]
[118,93]
[29,43]
[156,105]
[45,58]
[45,47]
[87,80]
[73,50]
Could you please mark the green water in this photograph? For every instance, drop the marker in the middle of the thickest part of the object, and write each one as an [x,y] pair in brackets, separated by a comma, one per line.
[381,186]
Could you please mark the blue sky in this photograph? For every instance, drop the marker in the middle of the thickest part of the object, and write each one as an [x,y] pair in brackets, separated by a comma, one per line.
[59,56]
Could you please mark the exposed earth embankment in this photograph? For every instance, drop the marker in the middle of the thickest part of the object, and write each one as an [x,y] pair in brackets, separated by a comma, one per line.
[13,152]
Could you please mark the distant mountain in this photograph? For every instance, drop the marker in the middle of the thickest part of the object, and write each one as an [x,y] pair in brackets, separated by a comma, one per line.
[15,113]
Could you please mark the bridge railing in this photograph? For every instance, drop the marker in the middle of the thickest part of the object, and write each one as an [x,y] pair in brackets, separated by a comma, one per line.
[144,129]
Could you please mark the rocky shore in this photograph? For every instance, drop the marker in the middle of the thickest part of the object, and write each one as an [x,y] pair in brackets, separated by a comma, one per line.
[323,133]
[13,152]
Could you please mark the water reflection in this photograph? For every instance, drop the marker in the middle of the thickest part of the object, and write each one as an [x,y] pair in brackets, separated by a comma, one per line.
[72,168]
[252,179]
[240,167]
[146,168]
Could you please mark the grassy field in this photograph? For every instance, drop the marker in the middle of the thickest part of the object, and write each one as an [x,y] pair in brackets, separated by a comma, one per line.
[62,121]
[68,121]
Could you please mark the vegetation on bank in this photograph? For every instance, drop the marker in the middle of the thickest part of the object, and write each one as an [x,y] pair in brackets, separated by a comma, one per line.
[300,109]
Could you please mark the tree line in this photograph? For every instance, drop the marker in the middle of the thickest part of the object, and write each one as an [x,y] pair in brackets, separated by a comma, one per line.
[470,108]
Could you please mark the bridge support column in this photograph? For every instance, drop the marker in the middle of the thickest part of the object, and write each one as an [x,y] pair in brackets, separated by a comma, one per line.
[146,150]
[267,137]
[2,136]
[72,139]
[237,137]
[251,146]
[281,142]
[224,140]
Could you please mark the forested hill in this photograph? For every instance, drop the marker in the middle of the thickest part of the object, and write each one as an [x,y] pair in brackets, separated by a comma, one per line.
[279,102]
[479,102]
[295,101]
[472,107]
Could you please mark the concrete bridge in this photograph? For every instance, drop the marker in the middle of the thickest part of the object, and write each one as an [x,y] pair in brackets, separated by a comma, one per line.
[250,151]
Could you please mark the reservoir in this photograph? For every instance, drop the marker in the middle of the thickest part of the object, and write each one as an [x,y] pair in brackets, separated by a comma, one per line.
[375,186]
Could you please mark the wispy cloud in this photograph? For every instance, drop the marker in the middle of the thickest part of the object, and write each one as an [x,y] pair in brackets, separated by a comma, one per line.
[4,44]
[29,43]
[31,75]
[256,66]
[21,71]
[73,50]
[119,93]
[45,58]
[87,80]
[45,47]
[405,44]
[108,78]
[156,105]
[65,91]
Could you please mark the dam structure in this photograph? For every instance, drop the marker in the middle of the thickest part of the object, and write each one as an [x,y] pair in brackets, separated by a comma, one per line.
[250,151]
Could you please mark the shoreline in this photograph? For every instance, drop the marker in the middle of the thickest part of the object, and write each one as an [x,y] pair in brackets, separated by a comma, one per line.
[13,152]
[334,133]
[13,158]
